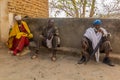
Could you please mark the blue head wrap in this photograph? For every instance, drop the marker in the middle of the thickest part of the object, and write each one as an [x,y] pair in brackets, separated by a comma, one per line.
[97,22]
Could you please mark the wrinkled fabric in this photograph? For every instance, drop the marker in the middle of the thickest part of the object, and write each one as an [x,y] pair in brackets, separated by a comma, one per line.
[16,33]
[95,38]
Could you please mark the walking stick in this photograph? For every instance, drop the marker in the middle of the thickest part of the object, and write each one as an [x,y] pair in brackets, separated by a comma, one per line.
[95,50]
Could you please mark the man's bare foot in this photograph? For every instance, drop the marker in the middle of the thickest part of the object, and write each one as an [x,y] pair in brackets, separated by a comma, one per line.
[53,58]
[10,52]
[18,54]
[34,56]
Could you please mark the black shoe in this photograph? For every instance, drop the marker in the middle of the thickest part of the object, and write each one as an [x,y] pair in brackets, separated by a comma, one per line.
[58,45]
[37,52]
[82,60]
[107,61]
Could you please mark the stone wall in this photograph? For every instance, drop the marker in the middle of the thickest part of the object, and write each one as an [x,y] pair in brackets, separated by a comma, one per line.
[72,29]
[32,8]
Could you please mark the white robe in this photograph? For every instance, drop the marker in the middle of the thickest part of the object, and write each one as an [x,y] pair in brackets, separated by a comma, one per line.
[95,38]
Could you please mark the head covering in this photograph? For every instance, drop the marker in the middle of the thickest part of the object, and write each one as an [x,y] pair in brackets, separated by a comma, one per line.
[97,22]
[50,20]
[18,17]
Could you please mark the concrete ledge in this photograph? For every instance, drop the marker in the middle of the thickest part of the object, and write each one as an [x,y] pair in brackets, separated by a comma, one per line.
[115,58]
[67,49]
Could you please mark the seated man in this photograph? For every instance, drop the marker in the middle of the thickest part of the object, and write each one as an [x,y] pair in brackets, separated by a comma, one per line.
[91,39]
[49,38]
[19,36]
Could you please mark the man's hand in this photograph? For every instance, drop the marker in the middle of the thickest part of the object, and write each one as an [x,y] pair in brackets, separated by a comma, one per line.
[100,30]
[41,36]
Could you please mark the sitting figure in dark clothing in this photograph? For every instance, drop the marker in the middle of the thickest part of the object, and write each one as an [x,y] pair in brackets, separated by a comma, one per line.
[91,39]
[49,39]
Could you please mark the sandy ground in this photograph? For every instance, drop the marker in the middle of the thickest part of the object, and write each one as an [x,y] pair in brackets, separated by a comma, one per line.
[42,68]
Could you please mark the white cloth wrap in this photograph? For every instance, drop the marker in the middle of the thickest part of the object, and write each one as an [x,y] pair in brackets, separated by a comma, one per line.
[95,38]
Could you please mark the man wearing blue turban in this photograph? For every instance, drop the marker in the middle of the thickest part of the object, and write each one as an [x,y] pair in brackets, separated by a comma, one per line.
[90,41]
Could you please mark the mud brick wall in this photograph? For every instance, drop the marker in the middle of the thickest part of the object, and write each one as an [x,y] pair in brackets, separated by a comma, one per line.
[32,8]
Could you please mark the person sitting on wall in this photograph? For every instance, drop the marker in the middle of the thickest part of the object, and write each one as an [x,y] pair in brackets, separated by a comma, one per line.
[49,38]
[91,38]
[19,36]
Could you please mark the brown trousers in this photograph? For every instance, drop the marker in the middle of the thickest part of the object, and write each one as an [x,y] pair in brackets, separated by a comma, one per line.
[86,45]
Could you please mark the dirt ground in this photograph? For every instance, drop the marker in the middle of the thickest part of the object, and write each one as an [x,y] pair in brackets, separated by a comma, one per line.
[42,68]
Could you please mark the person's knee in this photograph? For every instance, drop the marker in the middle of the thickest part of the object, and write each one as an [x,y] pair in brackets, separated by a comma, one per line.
[41,37]
[56,41]
[84,44]
[107,43]
[107,46]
